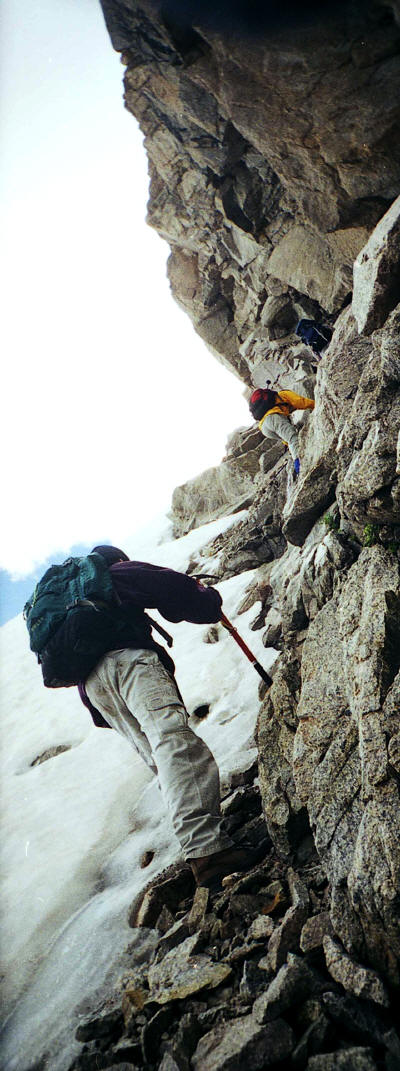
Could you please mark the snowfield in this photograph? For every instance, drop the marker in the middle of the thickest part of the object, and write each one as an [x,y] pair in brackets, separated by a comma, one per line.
[76,825]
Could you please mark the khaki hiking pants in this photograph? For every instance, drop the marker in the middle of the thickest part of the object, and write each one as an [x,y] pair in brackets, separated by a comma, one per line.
[276,426]
[139,698]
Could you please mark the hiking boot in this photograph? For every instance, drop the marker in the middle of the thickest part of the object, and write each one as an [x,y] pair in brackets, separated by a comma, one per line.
[209,870]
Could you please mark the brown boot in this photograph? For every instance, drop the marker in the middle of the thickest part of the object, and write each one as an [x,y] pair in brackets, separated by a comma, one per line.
[210,869]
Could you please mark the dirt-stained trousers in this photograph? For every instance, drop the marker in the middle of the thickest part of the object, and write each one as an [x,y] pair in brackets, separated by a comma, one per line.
[139,698]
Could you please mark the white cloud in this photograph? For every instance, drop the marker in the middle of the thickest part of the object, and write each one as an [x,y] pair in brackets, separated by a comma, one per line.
[111,399]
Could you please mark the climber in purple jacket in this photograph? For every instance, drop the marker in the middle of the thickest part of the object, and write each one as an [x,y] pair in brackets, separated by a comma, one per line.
[133,690]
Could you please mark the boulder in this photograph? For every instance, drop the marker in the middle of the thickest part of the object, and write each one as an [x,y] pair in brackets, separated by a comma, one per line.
[182,972]
[304,262]
[286,935]
[355,979]
[243,1041]
[377,273]
[164,891]
[314,931]
[293,983]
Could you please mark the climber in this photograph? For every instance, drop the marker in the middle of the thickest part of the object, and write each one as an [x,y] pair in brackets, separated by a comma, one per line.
[272,409]
[314,334]
[132,689]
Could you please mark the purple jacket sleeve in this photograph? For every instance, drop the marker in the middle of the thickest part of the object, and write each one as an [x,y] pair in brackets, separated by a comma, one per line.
[98,719]
[177,597]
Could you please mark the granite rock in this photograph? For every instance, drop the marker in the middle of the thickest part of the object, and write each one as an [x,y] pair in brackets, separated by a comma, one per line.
[293,983]
[355,1059]
[355,979]
[246,220]
[228,1046]
[182,972]
[377,273]
[314,930]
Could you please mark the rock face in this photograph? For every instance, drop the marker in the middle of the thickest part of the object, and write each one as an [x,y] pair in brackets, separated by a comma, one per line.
[225,489]
[328,729]
[273,150]
[377,273]
[341,765]
[219,999]
[351,447]
[274,162]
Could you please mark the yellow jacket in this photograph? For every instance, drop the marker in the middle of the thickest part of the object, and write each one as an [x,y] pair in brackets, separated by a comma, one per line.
[287,401]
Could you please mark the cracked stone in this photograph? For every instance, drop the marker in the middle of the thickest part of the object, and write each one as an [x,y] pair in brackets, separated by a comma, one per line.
[360,981]
[261,928]
[359,1020]
[292,985]
[287,934]
[198,909]
[231,1046]
[182,973]
[314,931]
[345,1060]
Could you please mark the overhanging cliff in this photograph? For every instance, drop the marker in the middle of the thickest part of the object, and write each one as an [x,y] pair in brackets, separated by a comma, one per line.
[273,151]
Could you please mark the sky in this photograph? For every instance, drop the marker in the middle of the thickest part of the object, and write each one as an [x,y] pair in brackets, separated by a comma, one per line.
[110,400]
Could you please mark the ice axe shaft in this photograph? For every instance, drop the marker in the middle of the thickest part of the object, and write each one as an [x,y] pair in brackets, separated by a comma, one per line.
[224,620]
[246,650]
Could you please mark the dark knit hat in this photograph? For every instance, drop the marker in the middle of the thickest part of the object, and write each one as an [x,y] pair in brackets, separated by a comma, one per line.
[111,554]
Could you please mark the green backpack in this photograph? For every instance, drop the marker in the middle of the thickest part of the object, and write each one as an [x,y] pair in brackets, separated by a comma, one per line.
[77,581]
[74,618]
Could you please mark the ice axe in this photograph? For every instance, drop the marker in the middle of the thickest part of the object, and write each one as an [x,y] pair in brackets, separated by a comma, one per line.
[246,650]
[238,639]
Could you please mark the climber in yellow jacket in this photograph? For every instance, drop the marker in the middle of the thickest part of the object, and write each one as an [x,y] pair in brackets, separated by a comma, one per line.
[272,409]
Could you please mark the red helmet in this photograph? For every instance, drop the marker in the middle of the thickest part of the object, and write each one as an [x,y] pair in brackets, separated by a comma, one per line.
[261,400]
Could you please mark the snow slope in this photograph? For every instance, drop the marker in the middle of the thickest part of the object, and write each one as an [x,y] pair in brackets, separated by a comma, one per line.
[75,826]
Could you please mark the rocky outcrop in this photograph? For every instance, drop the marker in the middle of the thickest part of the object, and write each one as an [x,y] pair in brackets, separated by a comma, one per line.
[273,151]
[329,726]
[351,446]
[377,273]
[341,763]
[274,164]
[248,973]
[227,488]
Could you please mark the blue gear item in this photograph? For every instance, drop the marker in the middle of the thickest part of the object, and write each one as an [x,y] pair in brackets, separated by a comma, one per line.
[296,466]
[314,334]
